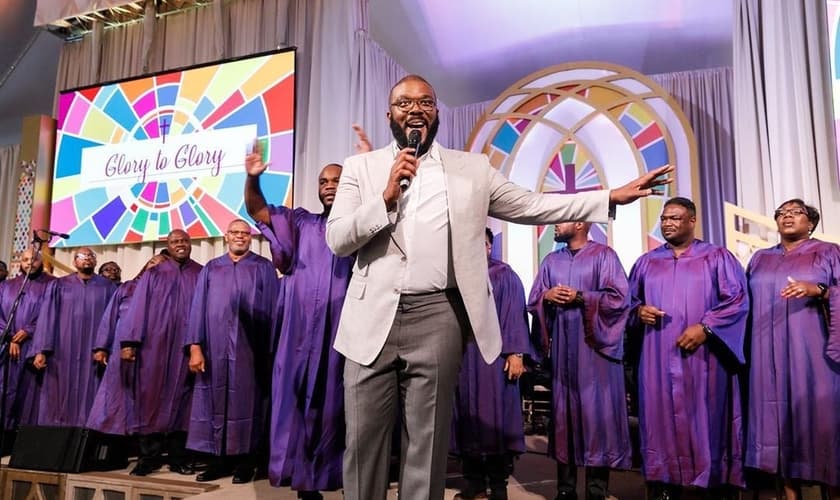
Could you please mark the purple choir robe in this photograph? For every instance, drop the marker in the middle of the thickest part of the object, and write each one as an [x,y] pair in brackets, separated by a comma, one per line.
[690,404]
[307,395]
[22,396]
[793,426]
[70,314]
[487,413]
[108,413]
[586,347]
[156,323]
[231,319]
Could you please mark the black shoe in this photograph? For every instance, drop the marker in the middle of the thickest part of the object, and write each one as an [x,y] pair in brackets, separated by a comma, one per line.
[310,495]
[244,474]
[212,473]
[144,468]
[182,468]
[566,495]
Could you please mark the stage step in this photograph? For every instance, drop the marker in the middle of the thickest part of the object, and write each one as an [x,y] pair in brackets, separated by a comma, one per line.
[19,484]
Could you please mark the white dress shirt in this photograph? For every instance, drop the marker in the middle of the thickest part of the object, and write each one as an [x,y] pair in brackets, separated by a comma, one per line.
[423,214]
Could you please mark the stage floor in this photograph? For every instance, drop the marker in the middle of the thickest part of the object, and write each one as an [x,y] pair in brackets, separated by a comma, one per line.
[533,479]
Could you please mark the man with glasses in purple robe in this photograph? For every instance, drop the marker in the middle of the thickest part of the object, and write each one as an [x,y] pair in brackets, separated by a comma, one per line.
[229,339]
[689,306]
[63,346]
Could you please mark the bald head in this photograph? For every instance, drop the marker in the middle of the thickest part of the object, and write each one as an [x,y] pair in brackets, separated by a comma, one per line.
[410,79]
[238,238]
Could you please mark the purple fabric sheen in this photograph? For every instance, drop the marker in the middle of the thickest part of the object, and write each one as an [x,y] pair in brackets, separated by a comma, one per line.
[307,394]
[793,426]
[487,414]
[156,322]
[231,319]
[70,313]
[585,356]
[23,394]
[690,403]
[108,413]
[117,307]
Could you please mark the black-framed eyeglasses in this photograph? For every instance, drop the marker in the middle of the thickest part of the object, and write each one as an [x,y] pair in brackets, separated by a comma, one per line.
[424,104]
[793,212]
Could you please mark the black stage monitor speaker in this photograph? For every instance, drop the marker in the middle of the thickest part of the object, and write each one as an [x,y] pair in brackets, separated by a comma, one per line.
[67,449]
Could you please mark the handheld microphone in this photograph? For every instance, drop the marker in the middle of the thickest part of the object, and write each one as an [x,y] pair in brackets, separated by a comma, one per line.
[413,142]
[63,236]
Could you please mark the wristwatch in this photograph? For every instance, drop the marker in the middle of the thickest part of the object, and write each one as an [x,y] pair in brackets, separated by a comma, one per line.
[823,289]
[579,297]
[708,331]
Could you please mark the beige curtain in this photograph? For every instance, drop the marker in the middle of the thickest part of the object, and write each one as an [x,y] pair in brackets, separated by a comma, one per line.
[783,107]
[9,177]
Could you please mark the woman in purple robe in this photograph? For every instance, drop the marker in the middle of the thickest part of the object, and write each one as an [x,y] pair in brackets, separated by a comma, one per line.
[580,299]
[23,391]
[689,307]
[307,399]
[793,427]
[487,429]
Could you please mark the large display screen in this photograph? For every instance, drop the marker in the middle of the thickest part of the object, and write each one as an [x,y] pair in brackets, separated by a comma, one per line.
[138,158]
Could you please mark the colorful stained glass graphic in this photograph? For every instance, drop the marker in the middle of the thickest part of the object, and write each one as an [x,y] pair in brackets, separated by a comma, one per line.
[571,171]
[138,158]
[833,20]
[579,127]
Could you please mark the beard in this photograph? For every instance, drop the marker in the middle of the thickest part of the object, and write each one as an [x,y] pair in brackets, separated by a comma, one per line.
[402,139]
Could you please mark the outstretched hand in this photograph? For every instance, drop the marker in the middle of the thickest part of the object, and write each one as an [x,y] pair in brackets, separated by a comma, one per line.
[364,145]
[641,187]
[254,165]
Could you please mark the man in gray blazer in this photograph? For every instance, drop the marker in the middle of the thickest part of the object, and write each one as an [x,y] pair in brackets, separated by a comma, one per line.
[420,287]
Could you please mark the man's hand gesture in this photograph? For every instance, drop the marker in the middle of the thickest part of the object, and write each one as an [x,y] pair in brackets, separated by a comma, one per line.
[641,187]
[254,165]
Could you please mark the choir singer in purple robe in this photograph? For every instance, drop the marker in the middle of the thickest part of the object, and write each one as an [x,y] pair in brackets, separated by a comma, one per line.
[580,300]
[23,391]
[487,413]
[307,400]
[153,338]
[228,337]
[72,309]
[689,304]
[793,429]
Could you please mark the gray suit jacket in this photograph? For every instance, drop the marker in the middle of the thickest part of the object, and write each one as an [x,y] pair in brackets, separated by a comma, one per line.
[359,223]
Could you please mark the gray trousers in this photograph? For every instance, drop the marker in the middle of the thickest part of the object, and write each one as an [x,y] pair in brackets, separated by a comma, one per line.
[417,369]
